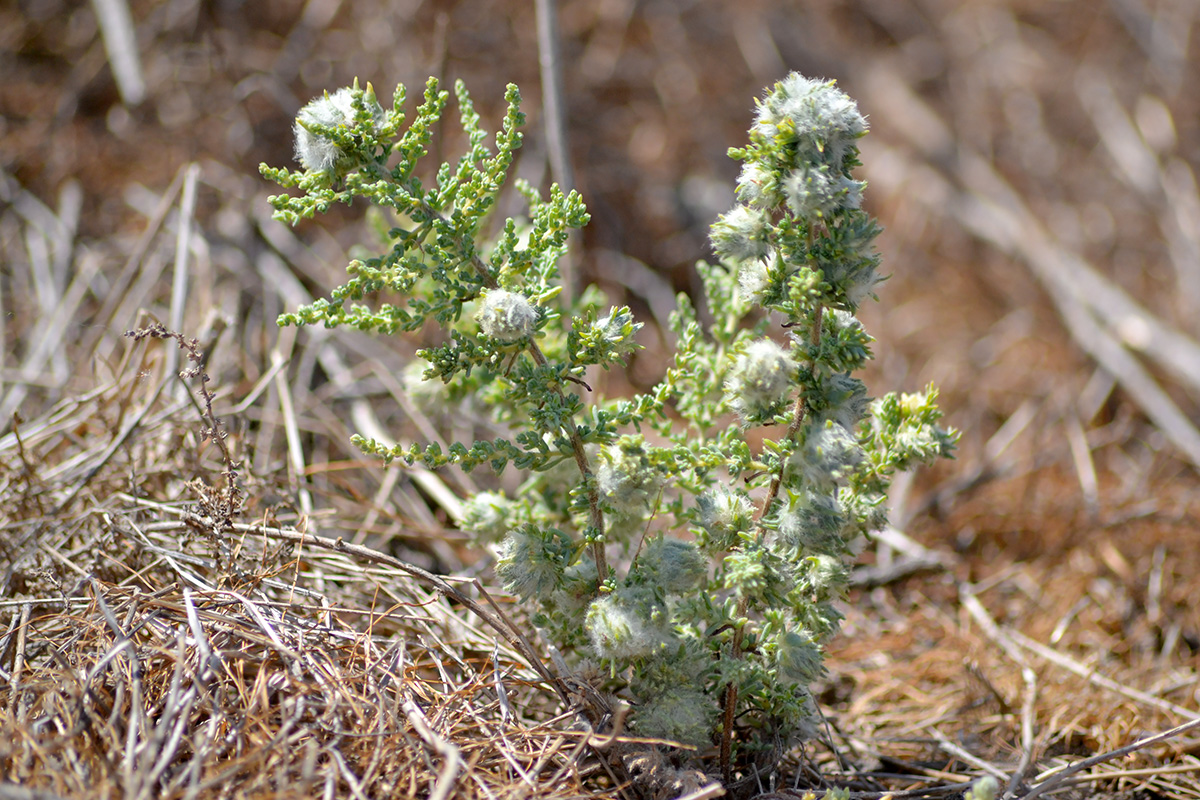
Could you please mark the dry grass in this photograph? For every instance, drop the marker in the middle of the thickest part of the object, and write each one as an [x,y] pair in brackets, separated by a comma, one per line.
[164,649]
[168,629]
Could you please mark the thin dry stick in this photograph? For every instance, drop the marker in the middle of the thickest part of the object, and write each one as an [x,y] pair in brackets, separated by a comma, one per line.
[1085,467]
[1092,676]
[14,682]
[993,631]
[1079,766]
[705,792]
[964,755]
[1118,773]
[451,756]
[120,43]
[555,109]
[1028,714]
[966,596]
[168,731]
[1011,639]
[294,448]
[917,558]
[183,249]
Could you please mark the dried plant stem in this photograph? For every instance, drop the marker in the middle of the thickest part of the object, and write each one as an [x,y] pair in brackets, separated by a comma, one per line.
[510,633]
[555,109]
[1100,758]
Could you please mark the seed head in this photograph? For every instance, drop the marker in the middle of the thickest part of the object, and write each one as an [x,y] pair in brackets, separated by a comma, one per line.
[759,382]
[317,152]
[506,316]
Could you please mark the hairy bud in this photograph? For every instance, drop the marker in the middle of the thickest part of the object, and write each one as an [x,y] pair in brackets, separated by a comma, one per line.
[506,316]
[317,151]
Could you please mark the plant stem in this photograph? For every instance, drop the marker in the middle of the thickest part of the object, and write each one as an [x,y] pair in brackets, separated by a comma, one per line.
[794,426]
[595,515]
[731,692]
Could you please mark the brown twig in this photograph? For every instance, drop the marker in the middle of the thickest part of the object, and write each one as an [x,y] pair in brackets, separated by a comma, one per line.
[1057,779]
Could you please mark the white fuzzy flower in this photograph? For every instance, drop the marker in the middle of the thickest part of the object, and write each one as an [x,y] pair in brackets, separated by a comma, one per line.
[754,279]
[799,657]
[724,513]
[864,287]
[320,153]
[506,316]
[817,191]
[626,480]
[760,381]
[812,523]
[672,565]
[757,187]
[617,329]
[532,561]
[824,120]
[830,453]
[628,624]
[681,714]
[488,515]
[741,234]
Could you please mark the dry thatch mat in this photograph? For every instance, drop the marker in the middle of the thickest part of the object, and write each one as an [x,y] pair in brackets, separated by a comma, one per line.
[169,629]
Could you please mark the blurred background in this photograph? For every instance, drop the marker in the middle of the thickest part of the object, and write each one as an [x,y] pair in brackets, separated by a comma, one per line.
[1033,164]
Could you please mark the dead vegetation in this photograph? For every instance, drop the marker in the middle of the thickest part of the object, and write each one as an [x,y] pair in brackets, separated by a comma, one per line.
[173,626]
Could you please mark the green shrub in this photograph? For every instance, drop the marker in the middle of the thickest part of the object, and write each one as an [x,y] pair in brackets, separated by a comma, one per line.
[652,539]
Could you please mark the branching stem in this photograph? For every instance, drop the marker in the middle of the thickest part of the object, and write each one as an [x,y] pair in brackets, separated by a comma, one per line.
[595,514]
[731,692]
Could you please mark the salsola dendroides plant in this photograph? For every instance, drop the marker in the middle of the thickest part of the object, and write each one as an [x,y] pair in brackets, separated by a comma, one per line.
[698,567]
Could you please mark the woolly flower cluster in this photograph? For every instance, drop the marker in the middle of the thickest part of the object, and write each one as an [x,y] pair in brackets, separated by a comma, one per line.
[617,329]
[759,382]
[488,516]
[847,398]
[799,657]
[818,121]
[672,566]
[532,560]
[626,480]
[798,165]
[318,152]
[635,621]
[724,514]
[630,623]
[811,127]
[828,456]
[506,316]
[812,523]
